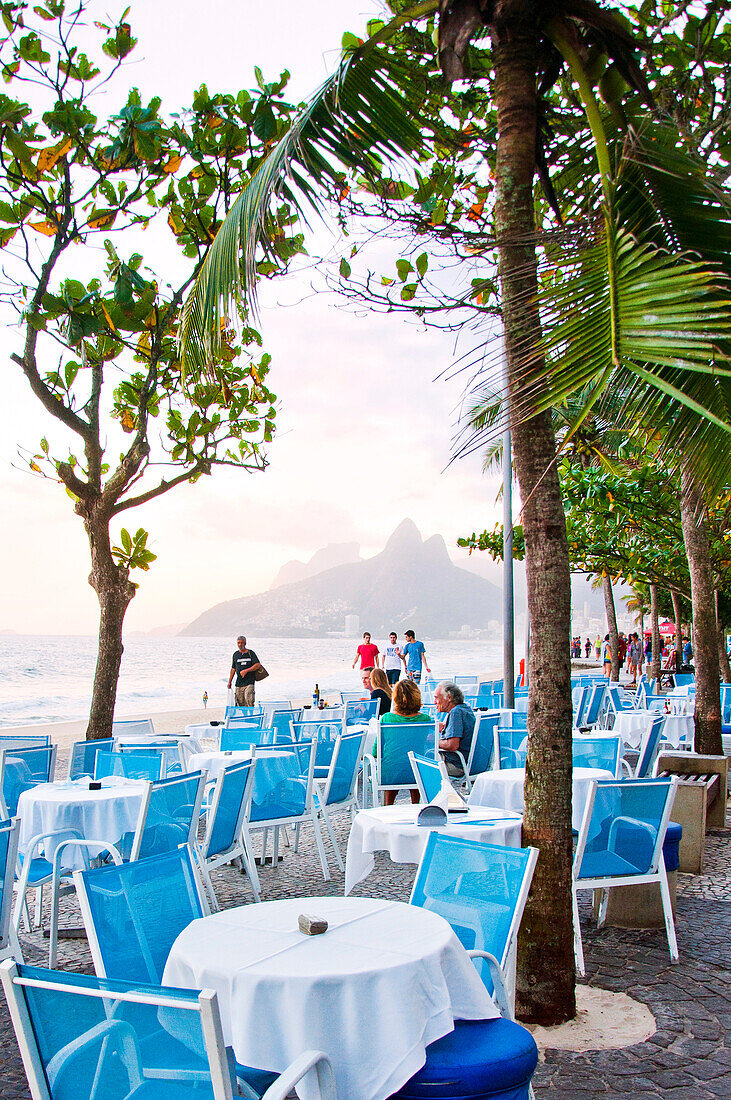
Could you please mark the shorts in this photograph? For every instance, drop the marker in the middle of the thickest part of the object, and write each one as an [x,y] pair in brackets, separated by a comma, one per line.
[393,675]
[245,695]
[414,674]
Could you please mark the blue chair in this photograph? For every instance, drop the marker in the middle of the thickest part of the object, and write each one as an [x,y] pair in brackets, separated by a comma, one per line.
[236,739]
[133,727]
[596,702]
[133,913]
[282,722]
[390,769]
[428,775]
[512,748]
[325,734]
[135,765]
[358,712]
[481,890]
[83,756]
[283,794]
[466,682]
[21,770]
[580,698]
[482,750]
[9,945]
[337,791]
[620,844]
[224,841]
[82,1036]
[348,696]
[684,679]
[597,752]
[169,749]
[168,817]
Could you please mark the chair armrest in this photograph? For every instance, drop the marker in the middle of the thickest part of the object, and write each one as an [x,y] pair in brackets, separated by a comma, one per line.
[114,853]
[315,1060]
[498,981]
[35,841]
[626,768]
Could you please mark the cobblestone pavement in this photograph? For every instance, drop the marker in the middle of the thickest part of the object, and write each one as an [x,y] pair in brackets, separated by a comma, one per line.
[689,1056]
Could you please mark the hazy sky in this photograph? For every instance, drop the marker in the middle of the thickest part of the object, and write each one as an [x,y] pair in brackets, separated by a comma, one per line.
[364,429]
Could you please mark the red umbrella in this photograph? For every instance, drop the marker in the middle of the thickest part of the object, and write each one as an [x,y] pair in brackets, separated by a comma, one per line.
[667,628]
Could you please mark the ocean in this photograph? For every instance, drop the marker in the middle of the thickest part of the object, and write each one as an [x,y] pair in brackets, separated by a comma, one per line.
[49,679]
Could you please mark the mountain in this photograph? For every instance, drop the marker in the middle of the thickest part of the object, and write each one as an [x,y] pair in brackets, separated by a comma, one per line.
[411,583]
[337,553]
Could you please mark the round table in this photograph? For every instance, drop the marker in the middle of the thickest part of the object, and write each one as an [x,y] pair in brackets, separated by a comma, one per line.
[213,761]
[104,815]
[383,982]
[677,728]
[504,788]
[284,765]
[393,829]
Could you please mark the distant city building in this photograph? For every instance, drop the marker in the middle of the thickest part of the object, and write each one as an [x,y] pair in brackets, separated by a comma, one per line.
[352,626]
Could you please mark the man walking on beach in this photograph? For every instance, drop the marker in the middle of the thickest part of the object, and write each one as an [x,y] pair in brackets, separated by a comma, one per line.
[368,654]
[244,664]
[415,655]
[393,658]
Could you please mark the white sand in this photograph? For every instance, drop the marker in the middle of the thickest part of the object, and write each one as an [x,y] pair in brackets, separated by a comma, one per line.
[604,1021]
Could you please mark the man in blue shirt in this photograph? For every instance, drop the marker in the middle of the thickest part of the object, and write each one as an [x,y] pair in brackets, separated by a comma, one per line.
[458,727]
[415,655]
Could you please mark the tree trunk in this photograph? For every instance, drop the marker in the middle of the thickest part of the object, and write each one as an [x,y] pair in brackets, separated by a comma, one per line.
[656,665]
[705,627]
[114,591]
[546,978]
[611,624]
[678,614]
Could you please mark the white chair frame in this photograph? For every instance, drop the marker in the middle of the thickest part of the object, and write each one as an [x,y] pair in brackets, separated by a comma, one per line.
[9,944]
[240,850]
[350,802]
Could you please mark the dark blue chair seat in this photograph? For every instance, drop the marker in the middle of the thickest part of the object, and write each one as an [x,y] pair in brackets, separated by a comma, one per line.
[259,1079]
[671,846]
[480,1059]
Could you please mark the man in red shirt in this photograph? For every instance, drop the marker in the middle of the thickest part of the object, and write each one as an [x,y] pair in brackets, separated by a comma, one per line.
[368,654]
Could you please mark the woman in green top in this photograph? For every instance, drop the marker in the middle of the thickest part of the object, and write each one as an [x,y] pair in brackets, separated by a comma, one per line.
[405,708]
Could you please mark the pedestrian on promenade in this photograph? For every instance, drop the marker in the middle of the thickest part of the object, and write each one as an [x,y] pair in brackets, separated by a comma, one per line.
[415,656]
[393,659]
[244,665]
[587,648]
[367,654]
[606,656]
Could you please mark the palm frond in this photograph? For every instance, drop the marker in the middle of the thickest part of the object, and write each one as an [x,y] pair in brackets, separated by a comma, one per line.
[357,121]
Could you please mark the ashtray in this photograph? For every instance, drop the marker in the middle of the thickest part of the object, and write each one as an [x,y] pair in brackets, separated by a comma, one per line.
[311,926]
[95,785]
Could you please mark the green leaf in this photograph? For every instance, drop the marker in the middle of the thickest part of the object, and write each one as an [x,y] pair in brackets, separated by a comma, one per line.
[422,264]
[345,269]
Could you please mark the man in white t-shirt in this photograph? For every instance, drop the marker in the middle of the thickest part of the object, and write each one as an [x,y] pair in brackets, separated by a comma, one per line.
[393,659]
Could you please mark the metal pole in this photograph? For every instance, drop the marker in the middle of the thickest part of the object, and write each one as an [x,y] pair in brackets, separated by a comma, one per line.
[508,592]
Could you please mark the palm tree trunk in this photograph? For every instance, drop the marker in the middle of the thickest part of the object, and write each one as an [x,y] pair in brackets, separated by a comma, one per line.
[546,977]
[723,660]
[611,611]
[677,613]
[705,627]
[656,666]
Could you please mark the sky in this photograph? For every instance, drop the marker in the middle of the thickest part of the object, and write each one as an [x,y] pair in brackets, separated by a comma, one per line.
[364,424]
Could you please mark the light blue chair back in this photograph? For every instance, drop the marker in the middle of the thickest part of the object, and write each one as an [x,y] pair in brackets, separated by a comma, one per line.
[21,770]
[648,748]
[133,727]
[358,712]
[483,744]
[349,696]
[597,752]
[623,828]
[684,679]
[344,765]
[466,682]
[168,749]
[281,723]
[93,1038]
[657,703]
[428,776]
[168,818]
[282,787]
[598,693]
[242,712]
[480,889]
[395,742]
[324,733]
[8,855]
[581,702]
[513,747]
[234,740]
[248,722]
[228,807]
[132,765]
[514,719]
[83,756]
[18,741]
[134,912]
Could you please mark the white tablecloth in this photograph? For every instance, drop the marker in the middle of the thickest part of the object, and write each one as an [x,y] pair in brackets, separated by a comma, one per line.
[327,714]
[284,765]
[98,815]
[632,724]
[212,762]
[204,731]
[393,829]
[383,982]
[505,789]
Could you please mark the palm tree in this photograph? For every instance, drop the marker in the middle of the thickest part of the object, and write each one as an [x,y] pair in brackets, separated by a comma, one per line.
[361,116]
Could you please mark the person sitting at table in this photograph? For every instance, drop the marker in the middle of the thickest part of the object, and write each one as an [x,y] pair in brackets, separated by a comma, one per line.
[405,707]
[458,727]
[381,690]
